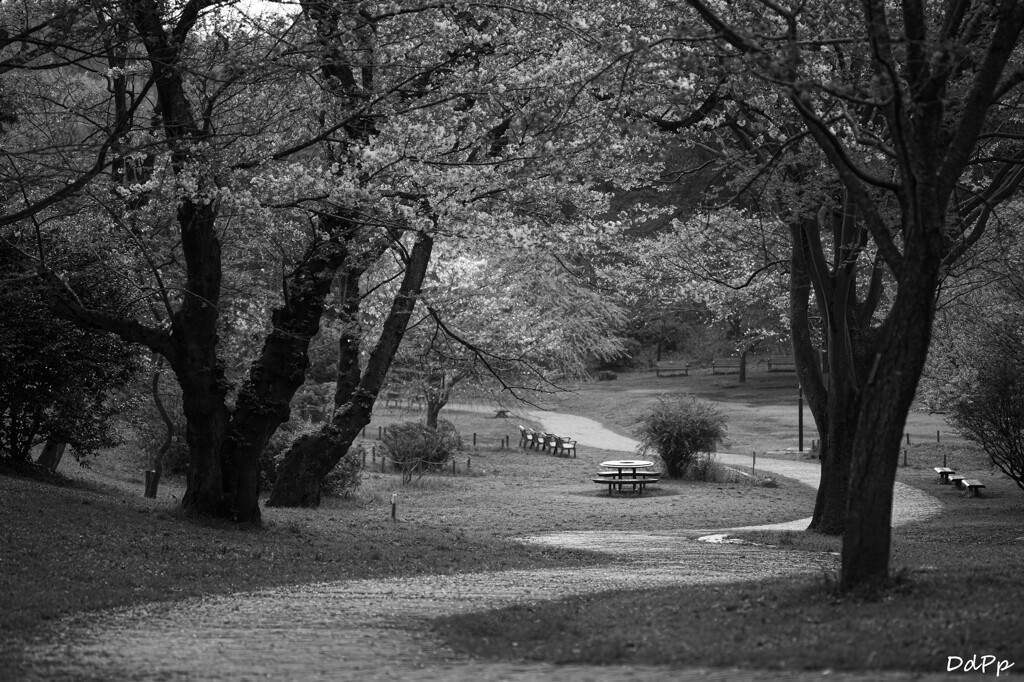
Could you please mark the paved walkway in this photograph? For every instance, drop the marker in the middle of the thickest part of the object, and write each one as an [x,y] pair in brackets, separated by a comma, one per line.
[379,629]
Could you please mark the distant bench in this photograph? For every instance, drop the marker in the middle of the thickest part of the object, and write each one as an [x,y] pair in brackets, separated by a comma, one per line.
[725,365]
[781,363]
[973,487]
[671,368]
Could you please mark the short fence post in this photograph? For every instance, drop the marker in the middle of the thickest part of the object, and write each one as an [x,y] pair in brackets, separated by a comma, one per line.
[474,440]
[753,464]
[904,457]
[394,505]
[468,463]
[380,432]
[453,465]
[938,436]
[373,455]
[908,439]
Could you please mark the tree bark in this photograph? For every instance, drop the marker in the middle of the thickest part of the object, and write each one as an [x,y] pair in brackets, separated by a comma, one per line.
[310,459]
[51,455]
[888,396]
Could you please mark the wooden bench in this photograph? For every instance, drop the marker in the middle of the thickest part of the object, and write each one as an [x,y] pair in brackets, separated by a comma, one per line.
[527,438]
[973,487]
[725,364]
[672,368]
[944,474]
[638,483]
[956,481]
[781,363]
[563,446]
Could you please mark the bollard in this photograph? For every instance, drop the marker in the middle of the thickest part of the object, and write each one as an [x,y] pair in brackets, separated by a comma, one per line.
[380,432]
[453,466]
[468,463]
[382,462]
[753,464]
[938,436]
[908,439]
[394,505]
[474,440]
[374,455]
[943,460]
[904,457]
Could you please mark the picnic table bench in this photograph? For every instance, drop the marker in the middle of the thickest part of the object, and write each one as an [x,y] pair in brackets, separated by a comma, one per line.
[638,483]
[944,474]
[974,487]
[671,368]
[726,364]
[781,363]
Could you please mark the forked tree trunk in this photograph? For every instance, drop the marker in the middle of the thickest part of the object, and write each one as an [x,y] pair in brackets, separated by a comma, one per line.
[311,458]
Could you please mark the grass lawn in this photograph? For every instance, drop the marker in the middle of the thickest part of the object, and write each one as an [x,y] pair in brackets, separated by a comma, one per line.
[92,541]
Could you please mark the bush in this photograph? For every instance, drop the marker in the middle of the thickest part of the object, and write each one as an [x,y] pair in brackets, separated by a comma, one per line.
[992,415]
[678,429]
[278,445]
[412,446]
[347,474]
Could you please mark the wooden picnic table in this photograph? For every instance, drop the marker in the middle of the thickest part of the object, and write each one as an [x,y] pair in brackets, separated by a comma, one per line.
[626,472]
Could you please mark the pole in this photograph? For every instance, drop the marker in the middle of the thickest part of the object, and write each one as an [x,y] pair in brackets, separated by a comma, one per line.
[800,417]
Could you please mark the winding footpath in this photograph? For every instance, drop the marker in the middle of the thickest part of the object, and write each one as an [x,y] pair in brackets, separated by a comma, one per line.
[380,629]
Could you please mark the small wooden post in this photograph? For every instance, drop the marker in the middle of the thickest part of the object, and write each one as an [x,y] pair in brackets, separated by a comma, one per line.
[943,460]
[380,432]
[373,455]
[453,465]
[382,462]
[394,505]
[364,432]
[938,436]
[474,440]
[908,439]
[753,465]
[904,457]
[469,461]
[364,458]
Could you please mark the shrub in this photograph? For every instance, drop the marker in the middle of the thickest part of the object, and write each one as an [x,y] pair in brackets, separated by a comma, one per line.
[992,415]
[278,445]
[347,474]
[412,446]
[678,429]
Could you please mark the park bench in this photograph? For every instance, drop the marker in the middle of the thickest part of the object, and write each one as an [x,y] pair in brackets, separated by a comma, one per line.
[671,368]
[944,474]
[781,363]
[956,480]
[637,482]
[563,446]
[725,365]
[973,487]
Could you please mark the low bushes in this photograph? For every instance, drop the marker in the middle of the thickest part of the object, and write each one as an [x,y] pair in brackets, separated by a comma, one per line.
[682,431]
[414,447]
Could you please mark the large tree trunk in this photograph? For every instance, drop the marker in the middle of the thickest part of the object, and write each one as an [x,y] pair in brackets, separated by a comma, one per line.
[888,396]
[51,455]
[309,460]
[263,403]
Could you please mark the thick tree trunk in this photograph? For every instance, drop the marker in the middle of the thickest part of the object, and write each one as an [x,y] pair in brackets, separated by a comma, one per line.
[310,459]
[887,399]
[51,455]
[263,403]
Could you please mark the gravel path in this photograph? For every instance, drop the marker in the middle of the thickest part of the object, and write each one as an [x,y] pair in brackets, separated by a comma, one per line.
[379,629]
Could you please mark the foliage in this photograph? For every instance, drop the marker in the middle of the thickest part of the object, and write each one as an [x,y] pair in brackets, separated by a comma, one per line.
[347,474]
[414,447]
[58,382]
[678,429]
[289,433]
